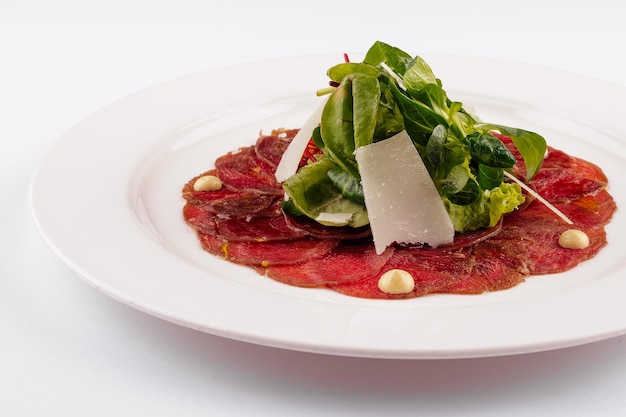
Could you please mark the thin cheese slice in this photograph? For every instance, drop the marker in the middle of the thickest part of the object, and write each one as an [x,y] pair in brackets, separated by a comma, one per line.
[290,160]
[333,219]
[402,202]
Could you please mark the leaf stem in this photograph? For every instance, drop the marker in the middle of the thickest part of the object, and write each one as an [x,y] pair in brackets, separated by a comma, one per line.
[538,197]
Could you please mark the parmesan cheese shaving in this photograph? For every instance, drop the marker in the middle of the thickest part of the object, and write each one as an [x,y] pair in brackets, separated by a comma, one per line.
[402,202]
[333,219]
[290,160]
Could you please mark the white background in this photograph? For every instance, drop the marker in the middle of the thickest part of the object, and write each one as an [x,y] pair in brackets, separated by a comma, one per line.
[66,349]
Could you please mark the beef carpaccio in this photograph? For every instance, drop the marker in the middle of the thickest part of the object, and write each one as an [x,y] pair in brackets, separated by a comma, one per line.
[242,222]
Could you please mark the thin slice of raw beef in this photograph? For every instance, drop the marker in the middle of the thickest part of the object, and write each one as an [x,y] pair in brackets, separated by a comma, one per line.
[243,223]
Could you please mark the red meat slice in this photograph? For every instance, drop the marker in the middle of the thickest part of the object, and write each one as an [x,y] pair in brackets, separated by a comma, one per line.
[260,255]
[432,271]
[471,238]
[200,220]
[234,203]
[533,234]
[564,178]
[601,204]
[495,268]
[270,148]
[212,244]
[257,229]
[347,262]
[244,171]
[276,252]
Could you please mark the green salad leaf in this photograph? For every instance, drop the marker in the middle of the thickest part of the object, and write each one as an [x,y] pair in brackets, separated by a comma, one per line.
[395,58]
[488,150]
[531,145]
[487,209]
[313,192]
[391,91]
[349,119]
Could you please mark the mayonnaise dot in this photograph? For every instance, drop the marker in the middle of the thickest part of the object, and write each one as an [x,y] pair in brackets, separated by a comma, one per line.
[396,281]
[574,239]
[207,183]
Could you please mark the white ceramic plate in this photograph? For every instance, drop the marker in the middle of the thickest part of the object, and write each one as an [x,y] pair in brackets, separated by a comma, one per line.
[107,200]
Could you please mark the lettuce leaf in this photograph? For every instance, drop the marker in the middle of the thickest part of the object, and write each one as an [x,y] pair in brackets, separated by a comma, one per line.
[487,209]
[313,192]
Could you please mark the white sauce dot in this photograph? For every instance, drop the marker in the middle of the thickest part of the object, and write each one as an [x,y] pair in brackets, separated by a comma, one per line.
[574,239]
[396,281]
[207,183]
